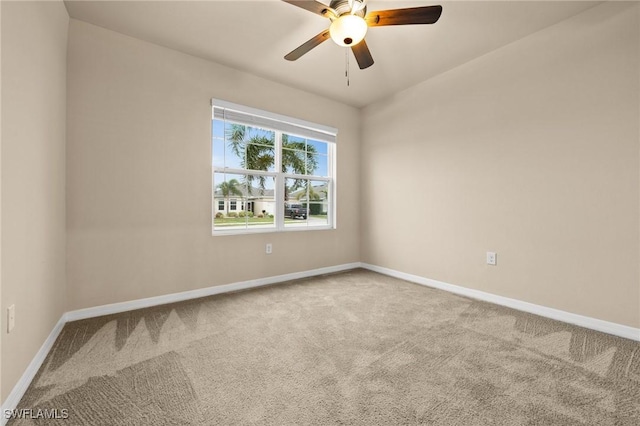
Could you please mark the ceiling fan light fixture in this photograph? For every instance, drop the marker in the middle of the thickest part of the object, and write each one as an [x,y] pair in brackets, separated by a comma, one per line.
[348,30]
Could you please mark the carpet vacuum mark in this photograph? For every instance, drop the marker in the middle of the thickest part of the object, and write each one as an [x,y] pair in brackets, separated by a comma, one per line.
[350,348]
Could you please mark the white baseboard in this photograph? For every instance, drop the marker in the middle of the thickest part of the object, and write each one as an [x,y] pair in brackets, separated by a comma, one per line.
[556,314]
[202,292]
[21,387]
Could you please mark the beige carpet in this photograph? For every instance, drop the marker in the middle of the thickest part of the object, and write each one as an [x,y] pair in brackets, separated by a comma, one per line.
[350,348]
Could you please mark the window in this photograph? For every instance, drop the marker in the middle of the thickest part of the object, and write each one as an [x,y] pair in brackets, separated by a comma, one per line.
[279,169]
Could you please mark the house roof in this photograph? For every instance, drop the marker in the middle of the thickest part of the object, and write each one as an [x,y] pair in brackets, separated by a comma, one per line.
[253,193]
[321,190]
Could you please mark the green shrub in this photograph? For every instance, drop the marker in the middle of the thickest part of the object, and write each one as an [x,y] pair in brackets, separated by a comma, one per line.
[233,214]
[270,216]
[250,214]
[242,213]
[219,215]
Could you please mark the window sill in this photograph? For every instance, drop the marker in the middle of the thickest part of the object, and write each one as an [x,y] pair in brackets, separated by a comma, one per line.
[222,233]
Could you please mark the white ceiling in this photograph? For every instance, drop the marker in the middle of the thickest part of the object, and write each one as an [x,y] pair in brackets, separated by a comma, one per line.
[254,36]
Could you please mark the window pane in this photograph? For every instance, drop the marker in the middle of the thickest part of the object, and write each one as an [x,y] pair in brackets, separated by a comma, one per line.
[294,154]
[318,214]
[226,153]
[261,199]
[260,145]
[294,162]
[305,156]
[318,147]
[294,213]
[249,147]
[218,152]
[307,203]
[317,165]
[295,188]
[259,157]
[228,190]
[294,142]
[218,129]
[253,209]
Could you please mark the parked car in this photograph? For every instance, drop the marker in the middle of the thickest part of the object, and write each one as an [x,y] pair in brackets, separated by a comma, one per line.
[295,211]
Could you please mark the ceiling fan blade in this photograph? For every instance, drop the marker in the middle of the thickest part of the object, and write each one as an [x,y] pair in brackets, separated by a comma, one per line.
[408,16]
[311,6]
[362,54]
[307,46]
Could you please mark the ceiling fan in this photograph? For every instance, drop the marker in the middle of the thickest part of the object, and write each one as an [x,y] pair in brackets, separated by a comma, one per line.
[350,21]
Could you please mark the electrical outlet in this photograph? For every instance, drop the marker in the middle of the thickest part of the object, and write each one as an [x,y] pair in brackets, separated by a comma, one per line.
[491,258]
[269,248]
[11,318]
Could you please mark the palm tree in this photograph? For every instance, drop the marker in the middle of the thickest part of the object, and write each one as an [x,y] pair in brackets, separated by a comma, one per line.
[228,188]
[313,195]
[258,153]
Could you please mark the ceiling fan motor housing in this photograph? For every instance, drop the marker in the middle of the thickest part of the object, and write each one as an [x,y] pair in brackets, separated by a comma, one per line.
[342,7]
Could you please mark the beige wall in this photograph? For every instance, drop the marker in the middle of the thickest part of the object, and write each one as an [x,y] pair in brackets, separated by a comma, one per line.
[531,151]
[139,174]
[34,50]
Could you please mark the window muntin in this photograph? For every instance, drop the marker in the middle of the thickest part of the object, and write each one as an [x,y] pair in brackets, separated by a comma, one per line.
[248,158]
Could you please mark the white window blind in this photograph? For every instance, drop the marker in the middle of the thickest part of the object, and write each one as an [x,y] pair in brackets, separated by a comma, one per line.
[223,110]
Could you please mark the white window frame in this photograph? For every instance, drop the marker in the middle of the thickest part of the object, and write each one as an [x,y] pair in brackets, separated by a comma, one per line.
[294,127]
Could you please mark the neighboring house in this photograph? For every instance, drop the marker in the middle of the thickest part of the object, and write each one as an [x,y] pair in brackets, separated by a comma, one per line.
[256,201]
[317,198]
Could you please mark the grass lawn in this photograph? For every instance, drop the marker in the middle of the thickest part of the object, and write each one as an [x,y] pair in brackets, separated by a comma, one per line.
[231,221]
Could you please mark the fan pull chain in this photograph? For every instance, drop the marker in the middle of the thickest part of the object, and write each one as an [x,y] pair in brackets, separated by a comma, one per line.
[346,66]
